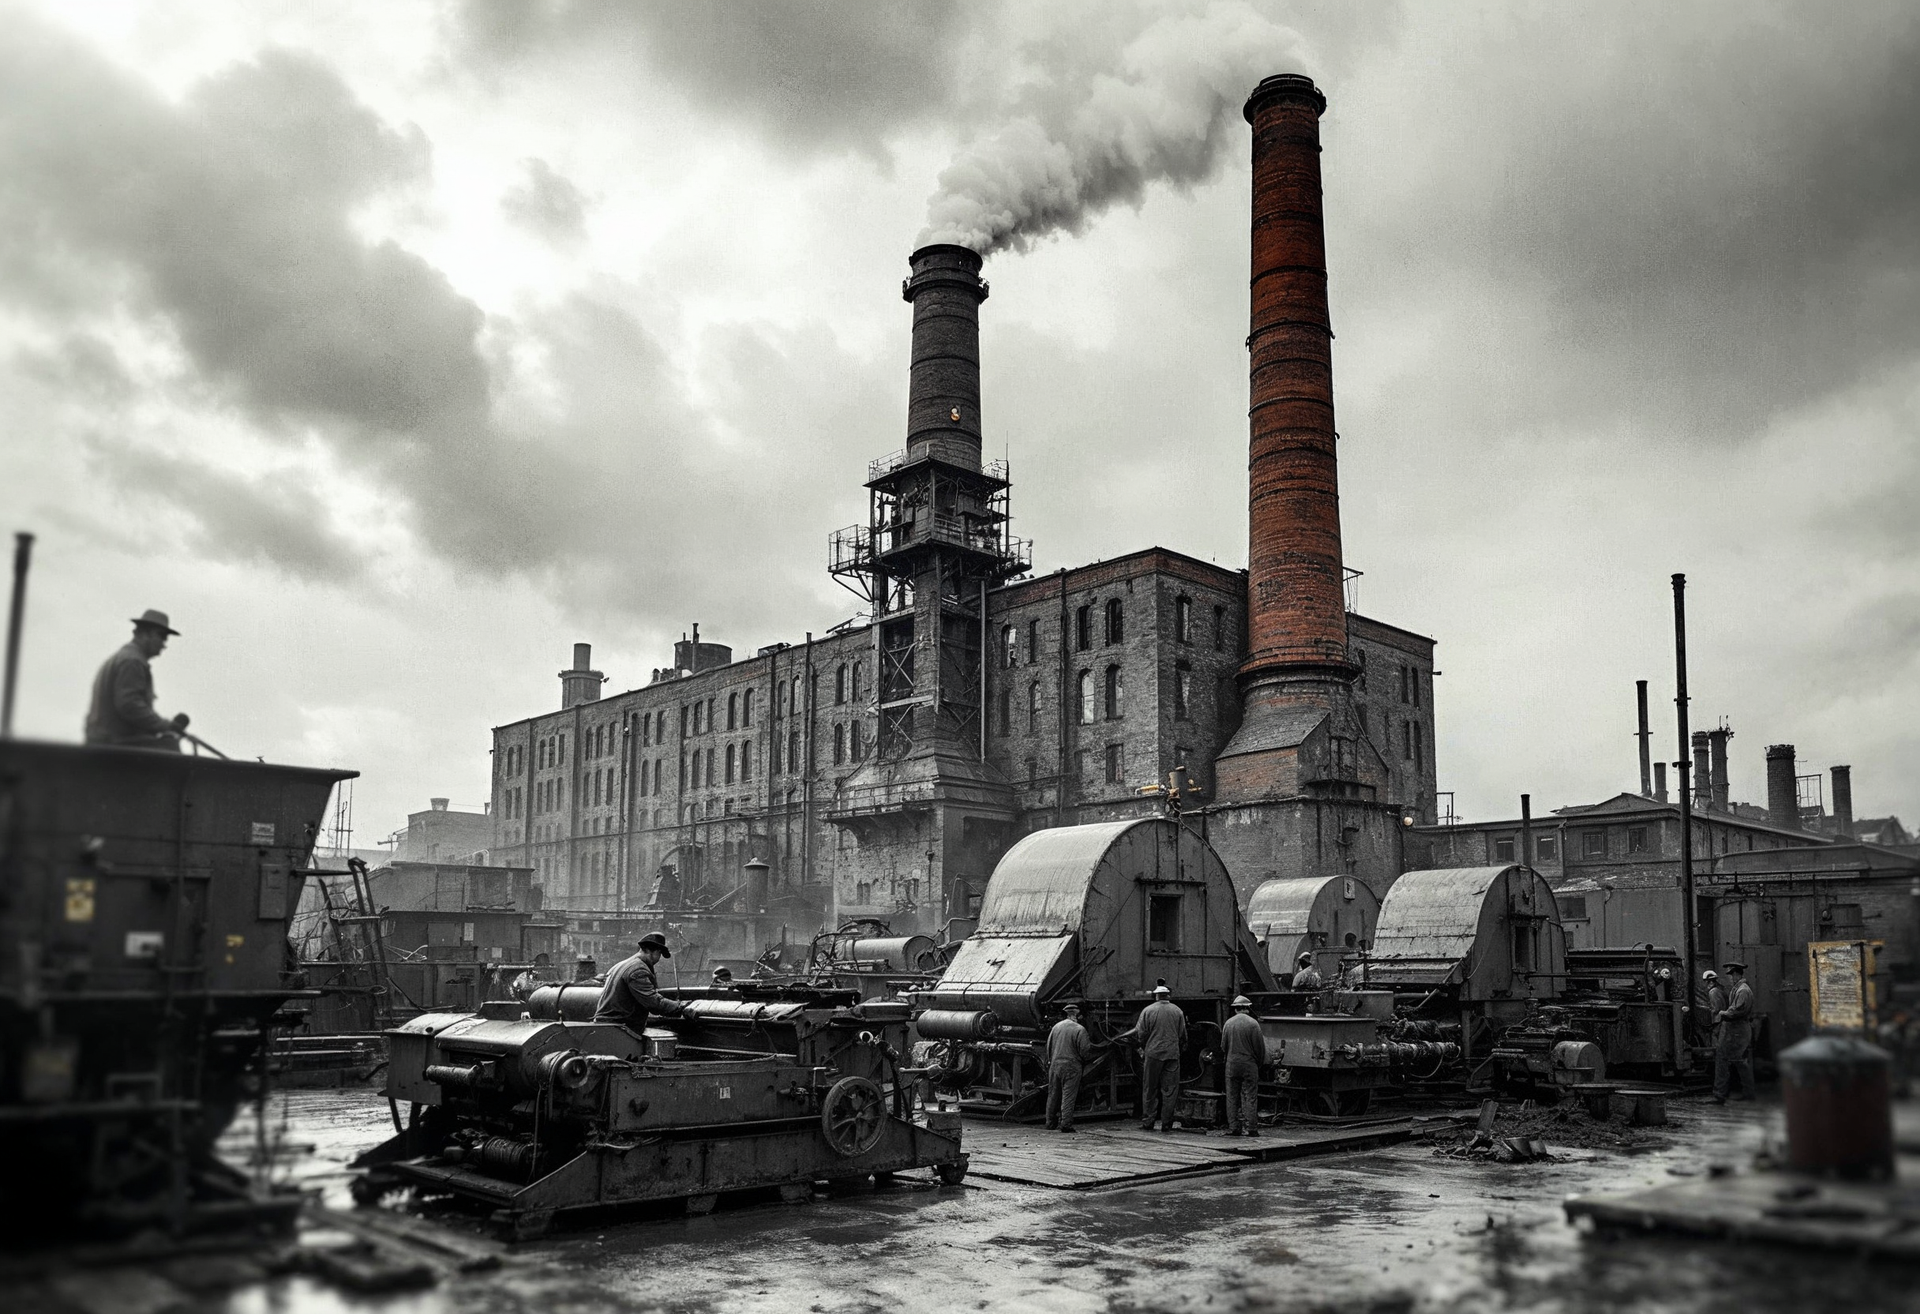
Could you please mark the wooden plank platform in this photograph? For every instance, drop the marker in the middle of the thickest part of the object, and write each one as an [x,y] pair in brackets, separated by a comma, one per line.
[1119,1153]
[1881,1219]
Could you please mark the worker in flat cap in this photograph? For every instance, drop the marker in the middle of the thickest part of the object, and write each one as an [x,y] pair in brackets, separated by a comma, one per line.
[1733,1039]
[1068,1049]
[632,992]
[1246,1051]
[1308,977]
[1161,1033]
[122,708]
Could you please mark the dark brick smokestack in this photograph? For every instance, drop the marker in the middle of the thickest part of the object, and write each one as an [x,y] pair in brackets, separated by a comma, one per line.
[1717,754]
[943,389]
[1843,801]
[1702,773]
[1783,800]
[1296,610]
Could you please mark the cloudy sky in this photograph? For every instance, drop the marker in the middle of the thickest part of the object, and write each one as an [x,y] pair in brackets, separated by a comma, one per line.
[394,347]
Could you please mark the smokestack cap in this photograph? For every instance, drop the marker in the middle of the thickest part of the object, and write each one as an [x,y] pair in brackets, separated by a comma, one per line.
[1290,86]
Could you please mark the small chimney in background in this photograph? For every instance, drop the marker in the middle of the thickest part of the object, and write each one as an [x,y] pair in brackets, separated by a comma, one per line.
[1702,773]
[1783,800]
[582,683]
[1843,801]
[1717,751]
[1645,736]
[1660,782]
[438,804]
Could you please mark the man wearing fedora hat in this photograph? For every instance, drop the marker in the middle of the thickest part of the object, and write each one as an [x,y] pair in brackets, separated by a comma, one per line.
[122,710]
[632,991]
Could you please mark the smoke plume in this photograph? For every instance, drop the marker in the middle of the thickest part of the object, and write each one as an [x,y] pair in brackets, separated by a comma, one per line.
[1164,114]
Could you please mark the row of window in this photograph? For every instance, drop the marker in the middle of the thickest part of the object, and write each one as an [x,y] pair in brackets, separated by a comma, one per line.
[1593,844]
[1112,627]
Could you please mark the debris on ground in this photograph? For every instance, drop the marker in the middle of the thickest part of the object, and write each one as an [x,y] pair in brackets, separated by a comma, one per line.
[1520,1133]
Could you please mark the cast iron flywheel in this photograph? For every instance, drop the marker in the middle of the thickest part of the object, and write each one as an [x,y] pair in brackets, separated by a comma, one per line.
[853,1115]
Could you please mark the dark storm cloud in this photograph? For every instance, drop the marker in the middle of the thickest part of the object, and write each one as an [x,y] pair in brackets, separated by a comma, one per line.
[828,73]
[1690,219]
[231,212]
[276,519]
[546,203]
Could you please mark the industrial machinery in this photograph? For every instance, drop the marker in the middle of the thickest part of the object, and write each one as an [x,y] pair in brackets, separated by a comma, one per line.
[1621,1014]
[534,1110]
[144,902]
[1100,914]
[1330,917]
[865,955]
[1333,1060]
[1467,952]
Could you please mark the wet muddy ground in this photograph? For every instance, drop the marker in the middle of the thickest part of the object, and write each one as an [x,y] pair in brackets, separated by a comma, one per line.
[1392,1231]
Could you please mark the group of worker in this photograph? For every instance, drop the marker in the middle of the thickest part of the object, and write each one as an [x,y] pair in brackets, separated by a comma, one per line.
[1730,1010]
[1161,1033]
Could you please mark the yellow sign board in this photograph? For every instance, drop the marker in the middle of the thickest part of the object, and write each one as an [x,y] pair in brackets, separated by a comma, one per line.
[1840,983]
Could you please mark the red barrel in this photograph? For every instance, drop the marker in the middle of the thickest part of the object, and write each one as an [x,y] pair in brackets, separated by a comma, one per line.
[1838,1095]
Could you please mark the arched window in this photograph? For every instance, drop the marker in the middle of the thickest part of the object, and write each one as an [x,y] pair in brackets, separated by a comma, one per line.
[696,768]
[746,708]
[1083,628]
[1183,619]
[794,704]
[746,760]
[859,681]
[711,769]
[1114,629]
[643,776]
[1009,647]
[699,716]
[1086,698]
[859,741]
[1033,706]
[733,711]
[839,744]
[839,684]
[730,753]
[1116,695]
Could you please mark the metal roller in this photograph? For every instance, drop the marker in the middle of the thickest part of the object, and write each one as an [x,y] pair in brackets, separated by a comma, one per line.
[956,1024]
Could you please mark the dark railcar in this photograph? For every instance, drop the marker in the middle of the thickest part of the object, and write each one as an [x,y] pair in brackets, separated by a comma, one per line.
[144,899]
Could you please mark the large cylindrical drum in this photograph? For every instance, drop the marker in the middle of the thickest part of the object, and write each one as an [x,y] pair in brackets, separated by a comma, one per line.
[1838,1095]
[955,1024]
[563,1003]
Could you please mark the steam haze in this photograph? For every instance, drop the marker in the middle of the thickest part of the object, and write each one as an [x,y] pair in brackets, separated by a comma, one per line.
[391,367]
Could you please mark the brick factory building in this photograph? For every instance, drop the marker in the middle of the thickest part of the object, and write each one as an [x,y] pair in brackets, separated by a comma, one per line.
[883,769]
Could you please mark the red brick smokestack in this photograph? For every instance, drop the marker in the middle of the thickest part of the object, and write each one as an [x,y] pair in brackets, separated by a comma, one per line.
[1296,673]
[1296,605]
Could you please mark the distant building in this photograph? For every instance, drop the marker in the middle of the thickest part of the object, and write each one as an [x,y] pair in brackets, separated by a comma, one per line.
[441,834]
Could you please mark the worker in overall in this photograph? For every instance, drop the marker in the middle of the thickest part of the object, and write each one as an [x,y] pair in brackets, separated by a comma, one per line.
[122,709]
[1161,1033]
[1246,1051]
[1308,977]
[632,991]
[1068,1049]
[1709,1002]
[1733,1043]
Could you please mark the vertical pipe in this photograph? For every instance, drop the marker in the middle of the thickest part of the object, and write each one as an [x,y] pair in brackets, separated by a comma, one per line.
[806,769]
[1687,912]
[1783,793]
[1660,782]
[983,671]
[1645,736]
[1843,801]
[1720,789]
[16,614]
[1526,830]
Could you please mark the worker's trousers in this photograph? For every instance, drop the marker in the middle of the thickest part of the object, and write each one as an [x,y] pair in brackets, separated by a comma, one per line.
[1063,1092]
[1243,1094]
[1159,1091]
[1733,1057]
